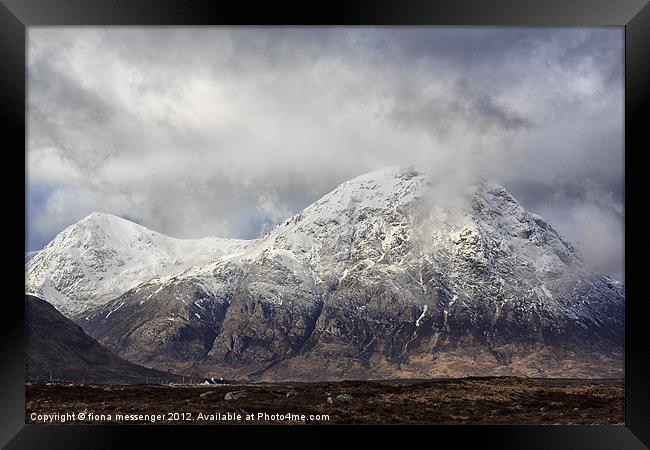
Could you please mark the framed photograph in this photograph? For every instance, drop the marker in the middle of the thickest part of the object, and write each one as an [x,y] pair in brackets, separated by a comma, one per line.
[362,216]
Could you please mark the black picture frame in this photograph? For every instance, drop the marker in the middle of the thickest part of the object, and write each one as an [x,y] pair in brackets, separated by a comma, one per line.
[634,15]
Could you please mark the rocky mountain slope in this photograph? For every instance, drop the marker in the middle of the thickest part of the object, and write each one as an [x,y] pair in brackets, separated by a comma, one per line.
[56,345]
[30,255]
[377,279]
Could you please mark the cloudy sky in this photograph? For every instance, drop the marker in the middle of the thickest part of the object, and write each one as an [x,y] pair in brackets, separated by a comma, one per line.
[226,131]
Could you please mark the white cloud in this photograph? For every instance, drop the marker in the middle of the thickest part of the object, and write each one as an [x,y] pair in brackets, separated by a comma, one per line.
[221,131]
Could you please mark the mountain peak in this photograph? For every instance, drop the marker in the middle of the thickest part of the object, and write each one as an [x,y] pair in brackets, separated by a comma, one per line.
[103,255]
[105,219]
[98,215]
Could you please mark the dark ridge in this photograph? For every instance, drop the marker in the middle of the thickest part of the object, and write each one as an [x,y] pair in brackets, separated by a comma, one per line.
[58,349]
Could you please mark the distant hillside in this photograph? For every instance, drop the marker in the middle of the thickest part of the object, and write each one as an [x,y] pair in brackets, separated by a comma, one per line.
[55,344]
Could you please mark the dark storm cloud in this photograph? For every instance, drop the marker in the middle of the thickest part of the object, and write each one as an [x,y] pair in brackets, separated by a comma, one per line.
[224,131]
[462,103]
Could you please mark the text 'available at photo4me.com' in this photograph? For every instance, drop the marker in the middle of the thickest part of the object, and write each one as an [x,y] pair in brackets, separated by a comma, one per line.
[175,417]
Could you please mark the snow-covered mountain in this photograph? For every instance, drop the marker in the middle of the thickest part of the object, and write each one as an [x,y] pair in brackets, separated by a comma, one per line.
[102,256]
[378,278]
